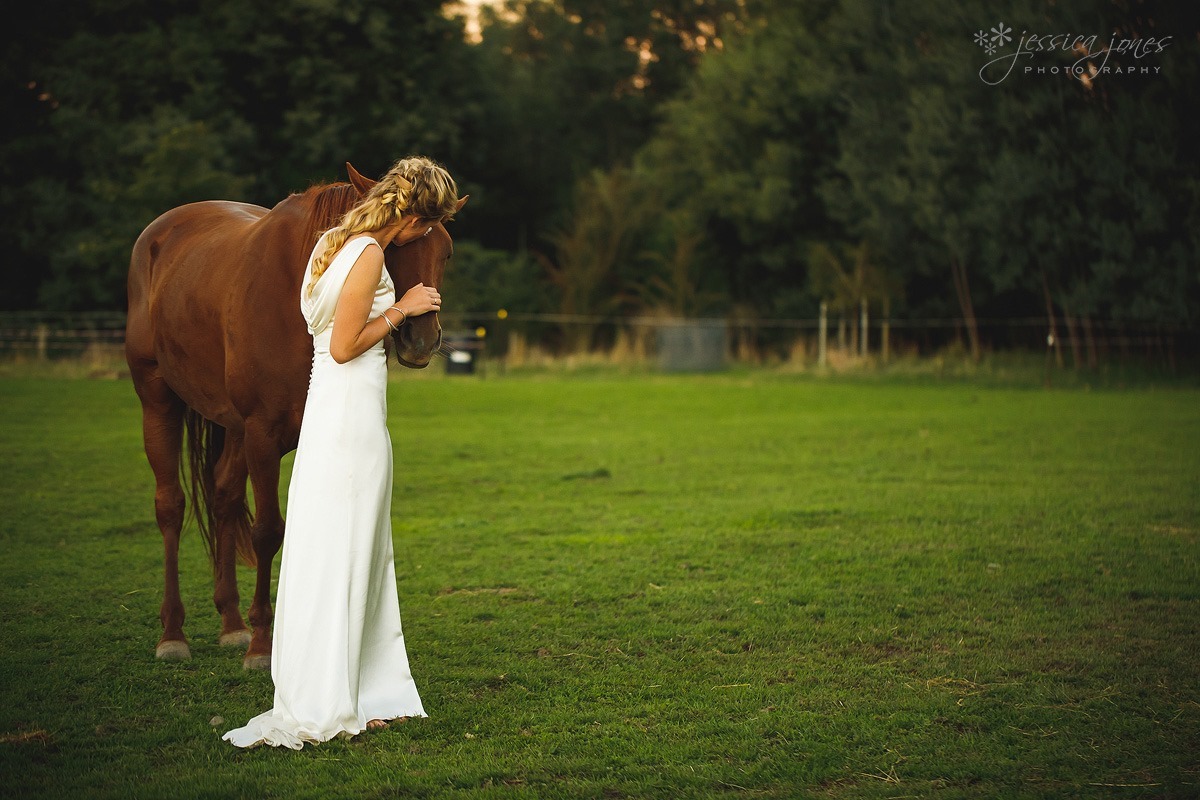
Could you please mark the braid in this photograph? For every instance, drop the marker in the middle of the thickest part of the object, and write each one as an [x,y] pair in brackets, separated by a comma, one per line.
[415,185]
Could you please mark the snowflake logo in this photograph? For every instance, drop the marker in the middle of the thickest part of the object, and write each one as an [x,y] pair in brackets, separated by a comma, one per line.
[994,39]
[985,41]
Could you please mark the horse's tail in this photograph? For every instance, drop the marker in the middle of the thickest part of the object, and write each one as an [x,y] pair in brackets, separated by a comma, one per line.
[205,441]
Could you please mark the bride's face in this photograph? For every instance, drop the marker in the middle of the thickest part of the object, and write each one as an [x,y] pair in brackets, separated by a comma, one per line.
[411,228]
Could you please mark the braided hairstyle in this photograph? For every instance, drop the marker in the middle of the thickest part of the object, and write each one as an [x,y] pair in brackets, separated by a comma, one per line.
[416,185]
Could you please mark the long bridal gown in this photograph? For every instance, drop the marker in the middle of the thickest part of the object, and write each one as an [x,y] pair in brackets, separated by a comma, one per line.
[338,656]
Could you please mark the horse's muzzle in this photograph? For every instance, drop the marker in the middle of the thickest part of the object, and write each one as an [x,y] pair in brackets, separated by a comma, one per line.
[417,341]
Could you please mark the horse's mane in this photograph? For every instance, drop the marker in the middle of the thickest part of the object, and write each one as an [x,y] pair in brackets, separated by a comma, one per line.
[329,202]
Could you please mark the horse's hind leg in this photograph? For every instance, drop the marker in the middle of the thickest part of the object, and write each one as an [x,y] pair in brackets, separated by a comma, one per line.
[263,452]
[230,517]
[162,432]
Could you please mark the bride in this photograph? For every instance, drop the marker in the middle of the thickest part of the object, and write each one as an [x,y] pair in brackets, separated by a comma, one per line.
[338,658]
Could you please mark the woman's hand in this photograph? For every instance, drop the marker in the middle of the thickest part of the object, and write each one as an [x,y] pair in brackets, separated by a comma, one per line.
[420,299]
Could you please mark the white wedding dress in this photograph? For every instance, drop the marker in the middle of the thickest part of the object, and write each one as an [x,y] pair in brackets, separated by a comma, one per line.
[338,656]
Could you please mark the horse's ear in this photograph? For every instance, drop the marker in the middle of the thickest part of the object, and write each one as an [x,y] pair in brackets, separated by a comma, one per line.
[362,184]
[462,201]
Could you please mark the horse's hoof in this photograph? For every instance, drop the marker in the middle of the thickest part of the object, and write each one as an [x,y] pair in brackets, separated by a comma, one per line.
[235,639]
[172,650]
[257,662]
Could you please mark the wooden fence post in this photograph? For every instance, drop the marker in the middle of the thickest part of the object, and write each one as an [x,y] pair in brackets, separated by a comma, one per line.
[863,321]
[822,334]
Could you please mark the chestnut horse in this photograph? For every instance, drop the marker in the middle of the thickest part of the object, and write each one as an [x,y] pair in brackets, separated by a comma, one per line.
[218,350]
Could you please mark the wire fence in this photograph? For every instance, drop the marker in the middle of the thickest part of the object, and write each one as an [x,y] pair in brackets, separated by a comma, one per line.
[43,336]
[526,336]
[1068,341]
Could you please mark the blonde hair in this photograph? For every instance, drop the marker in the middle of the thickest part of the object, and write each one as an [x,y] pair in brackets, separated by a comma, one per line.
[416,185]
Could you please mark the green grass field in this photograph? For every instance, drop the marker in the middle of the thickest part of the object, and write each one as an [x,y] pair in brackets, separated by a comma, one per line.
[742,585]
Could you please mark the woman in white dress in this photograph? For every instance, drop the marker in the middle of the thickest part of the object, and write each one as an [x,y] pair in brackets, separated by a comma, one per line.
[338,659]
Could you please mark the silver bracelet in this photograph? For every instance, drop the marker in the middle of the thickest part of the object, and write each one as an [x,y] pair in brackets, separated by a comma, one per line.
[404,315]
[388,321]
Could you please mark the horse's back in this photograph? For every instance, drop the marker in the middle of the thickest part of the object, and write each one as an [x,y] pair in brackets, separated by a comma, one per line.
[198,276]
[192,244]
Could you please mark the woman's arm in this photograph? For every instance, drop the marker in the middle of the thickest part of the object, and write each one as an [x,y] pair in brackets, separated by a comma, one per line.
[352,334]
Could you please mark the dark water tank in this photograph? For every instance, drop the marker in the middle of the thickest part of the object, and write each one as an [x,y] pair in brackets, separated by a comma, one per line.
[462,352]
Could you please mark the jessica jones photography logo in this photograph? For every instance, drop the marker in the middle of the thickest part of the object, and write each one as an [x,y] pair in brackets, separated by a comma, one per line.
[1043,54]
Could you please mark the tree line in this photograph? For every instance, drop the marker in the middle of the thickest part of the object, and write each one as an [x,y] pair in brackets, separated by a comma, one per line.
[742,158]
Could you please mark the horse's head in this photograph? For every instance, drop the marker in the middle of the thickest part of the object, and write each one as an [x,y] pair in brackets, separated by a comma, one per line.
[420,261]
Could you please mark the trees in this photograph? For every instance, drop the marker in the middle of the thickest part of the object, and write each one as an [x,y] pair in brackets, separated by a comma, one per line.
[870,124]
[742,152]
[575,86]
[595,253]
[134,107]
[745,133]
[1091,188]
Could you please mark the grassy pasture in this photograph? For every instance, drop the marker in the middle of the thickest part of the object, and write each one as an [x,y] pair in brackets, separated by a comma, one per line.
[745,585]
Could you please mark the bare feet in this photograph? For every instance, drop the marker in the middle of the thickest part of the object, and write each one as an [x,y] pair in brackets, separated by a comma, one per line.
[379,724]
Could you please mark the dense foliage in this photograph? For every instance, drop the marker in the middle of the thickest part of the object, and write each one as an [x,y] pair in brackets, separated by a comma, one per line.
[747,157]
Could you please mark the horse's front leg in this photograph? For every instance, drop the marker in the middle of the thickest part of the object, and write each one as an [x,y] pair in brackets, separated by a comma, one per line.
[262,458]
[232,535]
